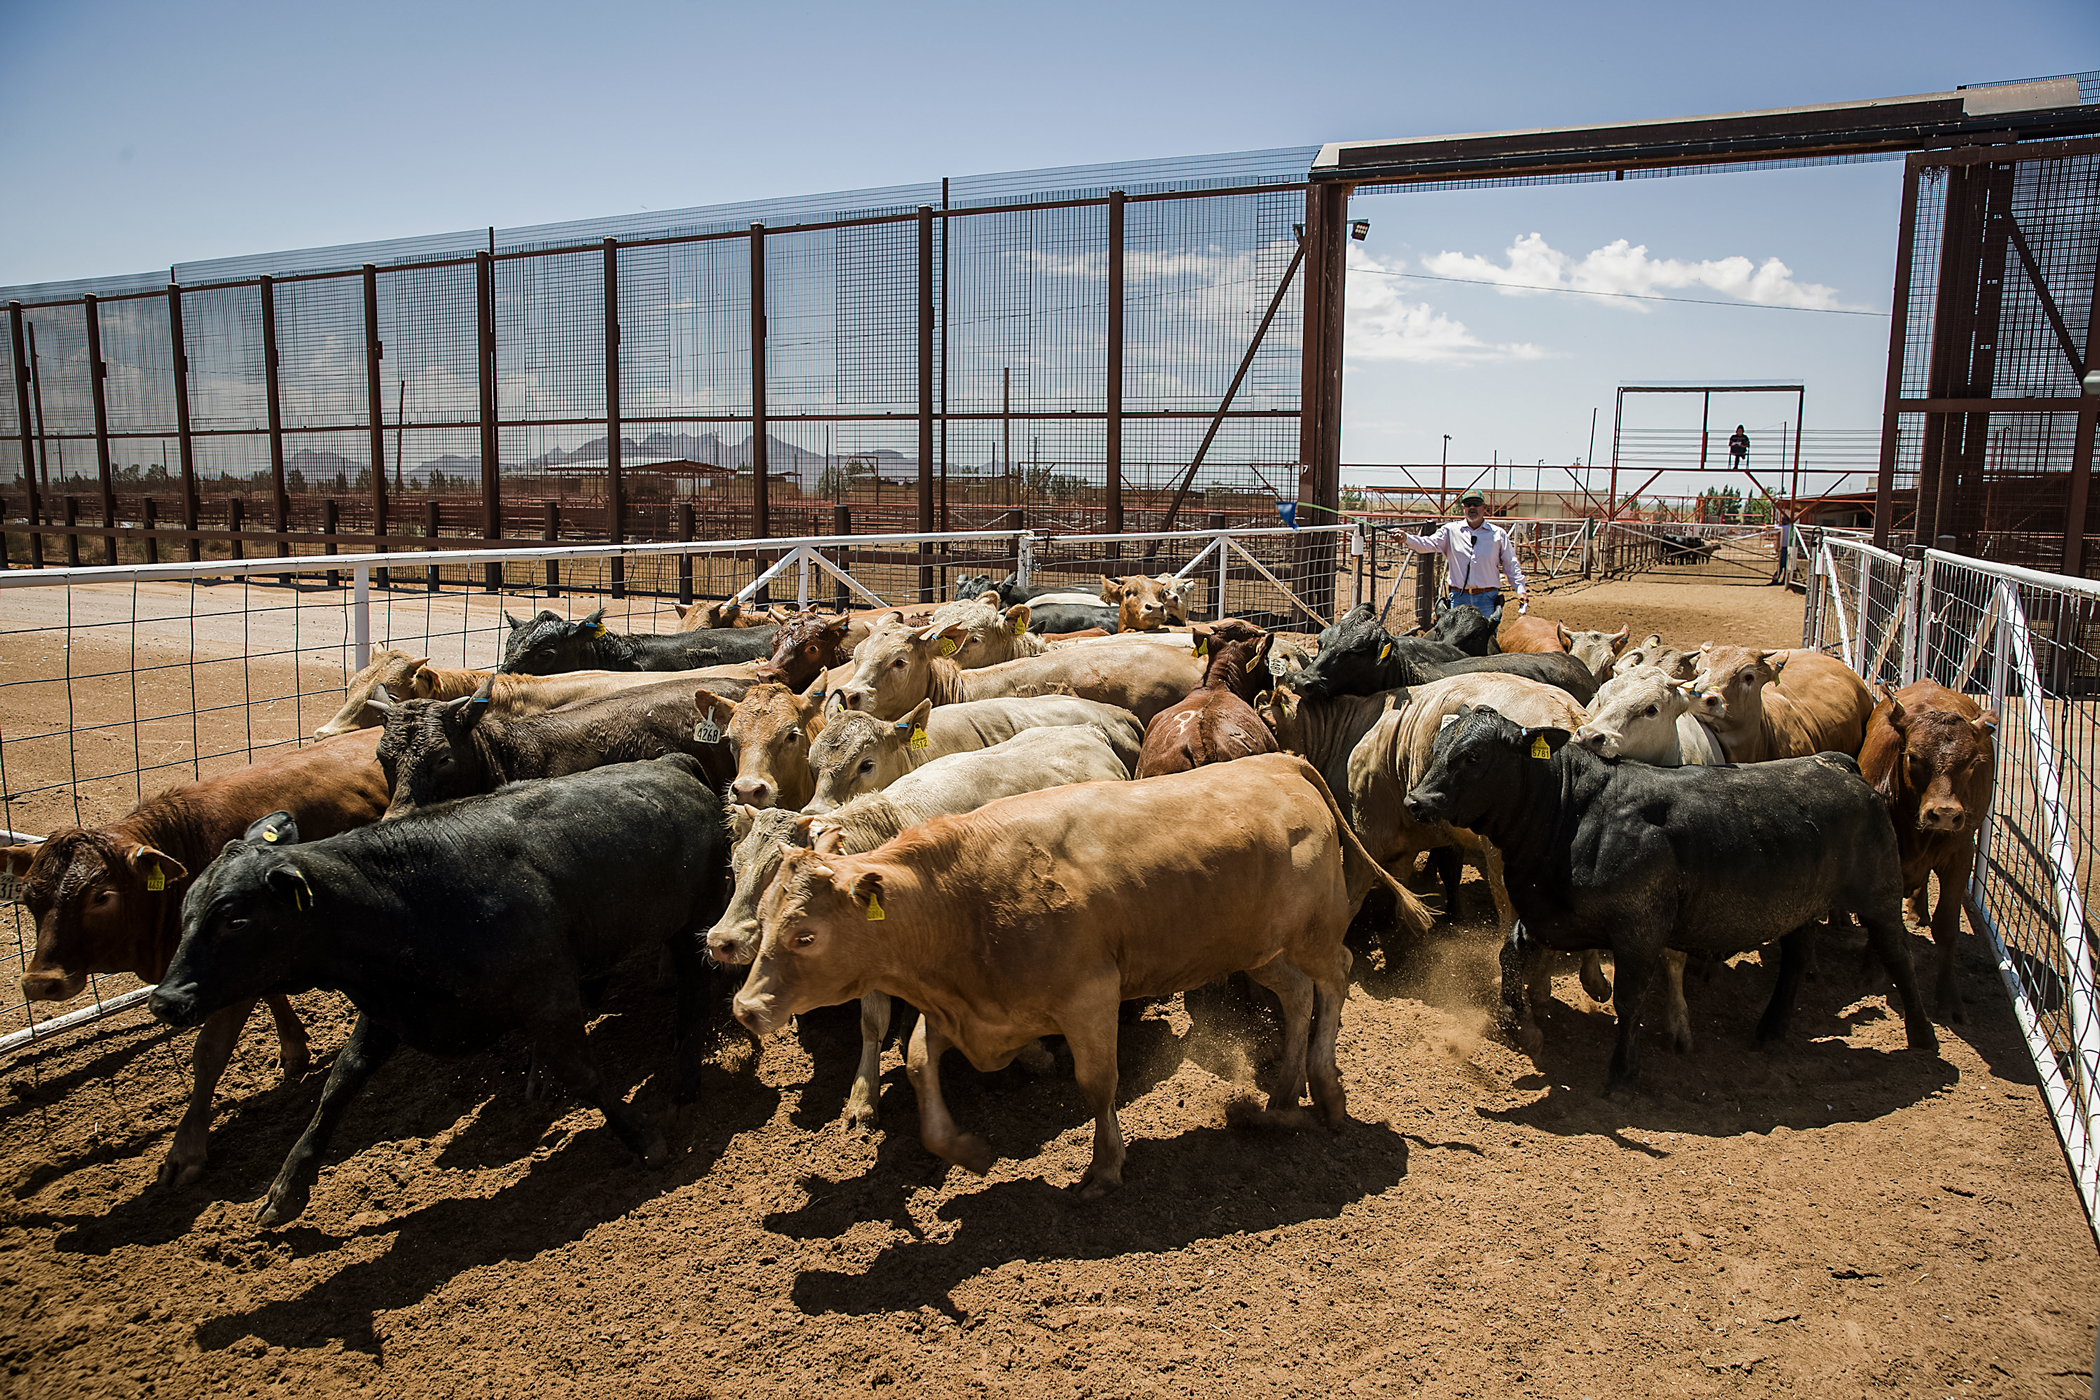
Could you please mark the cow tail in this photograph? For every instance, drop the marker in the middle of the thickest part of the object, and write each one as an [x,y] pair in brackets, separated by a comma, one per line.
[1355,859]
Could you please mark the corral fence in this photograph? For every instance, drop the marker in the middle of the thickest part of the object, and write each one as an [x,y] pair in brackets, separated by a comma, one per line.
[2023,643]
[118,682]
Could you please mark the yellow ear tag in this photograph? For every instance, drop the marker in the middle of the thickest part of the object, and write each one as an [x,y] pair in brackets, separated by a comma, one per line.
[1540,748]
[1385,651]
[156,879]
[270,835]
[1020,625]
[1203,647]
[918,737]
[598,629]
[875,914]
[947,646]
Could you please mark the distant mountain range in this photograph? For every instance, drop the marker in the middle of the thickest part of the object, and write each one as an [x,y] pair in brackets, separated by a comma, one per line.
[782,457]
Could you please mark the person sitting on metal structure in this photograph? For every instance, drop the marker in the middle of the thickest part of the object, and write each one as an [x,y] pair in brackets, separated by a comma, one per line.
[1739,448]
[1477,556]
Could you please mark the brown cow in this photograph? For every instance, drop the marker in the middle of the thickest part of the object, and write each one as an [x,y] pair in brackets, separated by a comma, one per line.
[1781,704]
[769,731]
[898,666]
[1148,603]
[405,678]
[1542,634]
[1931,753]
[1214,724]
[807,645]
[1040,914]
[109,898]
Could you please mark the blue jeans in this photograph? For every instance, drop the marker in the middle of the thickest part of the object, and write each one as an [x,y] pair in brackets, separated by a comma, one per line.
[1480,600]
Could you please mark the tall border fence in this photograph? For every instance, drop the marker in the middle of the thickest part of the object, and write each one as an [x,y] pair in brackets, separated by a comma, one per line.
[2024,642]
[116,683]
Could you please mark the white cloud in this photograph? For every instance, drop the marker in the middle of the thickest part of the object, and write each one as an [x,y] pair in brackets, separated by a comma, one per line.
[1625,267]
[1384,325]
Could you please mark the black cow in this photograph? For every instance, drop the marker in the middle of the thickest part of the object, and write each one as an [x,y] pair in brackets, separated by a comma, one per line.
[1071,617]
[435,750]
[1358,656]
[452,926]
[1468,629]
[1636,860]
[546,645]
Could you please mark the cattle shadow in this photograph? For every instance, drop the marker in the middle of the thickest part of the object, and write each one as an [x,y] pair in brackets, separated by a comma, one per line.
[1200,1184]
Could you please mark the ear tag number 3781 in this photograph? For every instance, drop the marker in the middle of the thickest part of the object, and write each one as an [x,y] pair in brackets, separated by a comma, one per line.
[1540,748]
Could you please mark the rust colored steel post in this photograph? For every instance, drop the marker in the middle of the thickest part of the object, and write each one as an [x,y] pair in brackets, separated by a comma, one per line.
[2082,443]
[375,415]
[98,385]
[28,440]
[234,514]
[685,561]
[329,518]
[273,400]
[550,531]
[615,484]
[1112,486]
[926,398]
[1320,384]
[149,520]
[72,540]
[185,443]
[1899,340]
[491,465]
[761,464]
[433,521]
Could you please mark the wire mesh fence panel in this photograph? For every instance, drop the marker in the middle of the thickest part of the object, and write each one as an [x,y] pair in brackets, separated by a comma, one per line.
[1858,608]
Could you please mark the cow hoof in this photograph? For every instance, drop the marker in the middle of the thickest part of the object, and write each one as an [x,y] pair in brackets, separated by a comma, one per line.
[1531,1040]
[1924,1038]
[293,1068]
[1681,1042]
[175,1173]
[971,1153]
[1595,984]
[861,1118]
[1951,1012]
[1093,1188]
[276,1209]
[654,1151]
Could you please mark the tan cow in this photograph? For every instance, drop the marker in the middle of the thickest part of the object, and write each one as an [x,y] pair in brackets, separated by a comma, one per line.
[1781,704]
[898,666]
[1646,715]
[978,632]
[1147,604]
[1678,665]
[858,753]
[404,677]
[770,732]
[1041,914]
[701,617]
[1029,762]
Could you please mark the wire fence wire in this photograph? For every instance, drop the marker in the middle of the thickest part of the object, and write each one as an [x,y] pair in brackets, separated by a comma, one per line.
[2023,644]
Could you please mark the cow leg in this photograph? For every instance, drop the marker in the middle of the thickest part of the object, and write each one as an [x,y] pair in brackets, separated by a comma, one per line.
[1946,928]
[1793,961]
[695,1027]
[1885,933]
[293,1060]
[861,1103]
[1677,1016]
[367,1049]
[1491,867]
[1294,990]
[1450,870]
[1520,964]
[1594,983]
[922,1061]
[215,1041]
[1634,966]
[564,1052]
[1090,1030]
[1329,993]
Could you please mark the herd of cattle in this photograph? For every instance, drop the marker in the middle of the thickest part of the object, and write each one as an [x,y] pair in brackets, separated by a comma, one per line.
[1012,814]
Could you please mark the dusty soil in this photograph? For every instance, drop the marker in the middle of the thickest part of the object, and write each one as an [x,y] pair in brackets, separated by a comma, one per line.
[1841,1217]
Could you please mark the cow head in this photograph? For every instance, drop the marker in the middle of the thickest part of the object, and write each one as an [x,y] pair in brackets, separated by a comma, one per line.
[892,669]
[759,839]
[1731,687]
[547,645]
[1347,662]
[1477,760]
[859,753]
[1651,652]
[427,752]
[1947,764]
[807,645]
[769,731]
[1466,629]
[977,632]
[1236,654]
[820,938]
[1596,650]
[1147,604]
[1635,716]
[973,586]
[240,924]
[396,671]
[698,617]
[99,903]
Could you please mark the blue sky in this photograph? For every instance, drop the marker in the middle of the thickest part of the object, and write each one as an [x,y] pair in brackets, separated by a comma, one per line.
[139,135]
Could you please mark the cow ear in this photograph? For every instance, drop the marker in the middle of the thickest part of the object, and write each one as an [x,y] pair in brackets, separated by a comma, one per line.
[684,610]
[828,841]
[706,702]
[1618,639]
[380,701]
[16,860]
[740,818]
[1111,590]
[157,868]
[915,718]
[1561,635]
[288,883]
[1545,738]
[464,713]
[1018,617]
[277,829]
[866,885]
[1986,724]
[515,621]
[1775,659]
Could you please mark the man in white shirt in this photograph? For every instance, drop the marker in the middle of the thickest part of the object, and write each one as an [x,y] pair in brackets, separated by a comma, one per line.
[1477,556]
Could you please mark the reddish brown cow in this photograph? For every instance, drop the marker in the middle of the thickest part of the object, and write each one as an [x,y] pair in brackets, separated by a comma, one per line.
[769,731]
[1215,724]
[1530,633]
[109,898]
[1932,753]
[807,645]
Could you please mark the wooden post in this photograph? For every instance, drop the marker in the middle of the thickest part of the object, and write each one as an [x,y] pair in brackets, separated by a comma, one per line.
[234,513]
[72,540]
[550,531]
[21,362]
[926,399]
[491,465]
[1320,383]
[842,525]
[1112,486]
[375,415]
[685,561]
[98,386]
[432,522]
[761,463]
[615,485]
[185,443]
[274,404]
[328,526]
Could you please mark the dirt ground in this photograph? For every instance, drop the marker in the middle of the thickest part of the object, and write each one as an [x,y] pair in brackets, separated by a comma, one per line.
[1842,1217]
